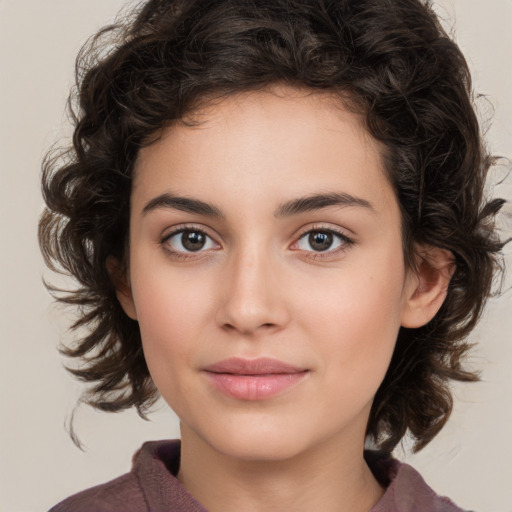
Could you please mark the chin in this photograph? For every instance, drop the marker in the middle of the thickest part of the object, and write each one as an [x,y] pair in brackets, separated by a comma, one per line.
[263,449]
[263,441]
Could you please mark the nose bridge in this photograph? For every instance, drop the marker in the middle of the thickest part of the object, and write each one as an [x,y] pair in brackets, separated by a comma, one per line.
[252,298]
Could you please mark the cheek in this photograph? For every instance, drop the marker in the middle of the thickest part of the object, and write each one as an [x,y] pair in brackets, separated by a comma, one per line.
[171,313]
[169,303]
[355,324]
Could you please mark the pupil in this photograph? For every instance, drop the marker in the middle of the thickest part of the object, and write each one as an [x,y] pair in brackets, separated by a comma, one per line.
[192,240]
[320,241]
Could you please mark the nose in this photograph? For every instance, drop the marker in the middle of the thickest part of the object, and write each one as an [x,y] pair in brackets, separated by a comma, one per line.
[253,299]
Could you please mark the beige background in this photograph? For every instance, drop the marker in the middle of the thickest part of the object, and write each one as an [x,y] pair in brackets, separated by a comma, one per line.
[39,465]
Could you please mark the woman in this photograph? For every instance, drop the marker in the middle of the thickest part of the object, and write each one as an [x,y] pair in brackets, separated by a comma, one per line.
[275,213]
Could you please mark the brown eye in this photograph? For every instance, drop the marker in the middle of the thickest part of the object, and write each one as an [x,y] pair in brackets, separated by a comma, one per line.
[327,241]
[193,240]
[320,240]
[185,241]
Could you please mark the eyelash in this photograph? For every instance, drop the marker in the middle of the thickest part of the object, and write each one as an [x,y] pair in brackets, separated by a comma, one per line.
[346,242]
[182,229]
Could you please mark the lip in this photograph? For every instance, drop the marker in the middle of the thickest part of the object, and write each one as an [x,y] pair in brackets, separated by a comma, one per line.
[253,379]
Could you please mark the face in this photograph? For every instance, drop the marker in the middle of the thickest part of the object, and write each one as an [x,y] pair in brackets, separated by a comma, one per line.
[266,273]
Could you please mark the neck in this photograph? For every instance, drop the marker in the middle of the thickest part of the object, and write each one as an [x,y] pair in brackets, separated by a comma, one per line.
[329,477]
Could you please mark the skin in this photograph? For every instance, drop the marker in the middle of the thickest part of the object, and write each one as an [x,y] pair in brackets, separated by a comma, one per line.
[258,288]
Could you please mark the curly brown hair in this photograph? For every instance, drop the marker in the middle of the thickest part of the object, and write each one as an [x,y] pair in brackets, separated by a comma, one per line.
[389,60]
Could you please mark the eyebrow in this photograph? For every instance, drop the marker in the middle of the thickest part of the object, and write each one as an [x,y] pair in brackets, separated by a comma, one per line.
[293,207]
[184,204]
[319,201]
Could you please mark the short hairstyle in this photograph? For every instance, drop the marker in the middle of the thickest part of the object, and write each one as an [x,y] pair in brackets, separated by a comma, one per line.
[388,60]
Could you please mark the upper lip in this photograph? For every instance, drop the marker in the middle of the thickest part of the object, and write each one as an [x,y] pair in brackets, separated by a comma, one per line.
[260,366]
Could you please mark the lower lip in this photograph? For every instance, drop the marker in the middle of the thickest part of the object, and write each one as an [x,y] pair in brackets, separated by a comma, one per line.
[254,387]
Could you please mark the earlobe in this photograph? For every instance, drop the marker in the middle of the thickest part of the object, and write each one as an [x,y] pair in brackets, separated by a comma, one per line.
[119,276]
[426,288]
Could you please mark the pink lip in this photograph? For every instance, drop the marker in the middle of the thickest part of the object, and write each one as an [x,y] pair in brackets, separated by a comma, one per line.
[253,379]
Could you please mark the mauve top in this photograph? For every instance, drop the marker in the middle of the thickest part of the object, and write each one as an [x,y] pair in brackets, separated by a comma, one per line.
[151,486]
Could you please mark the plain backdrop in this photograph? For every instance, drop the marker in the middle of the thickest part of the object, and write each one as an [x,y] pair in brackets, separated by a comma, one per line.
[39,465]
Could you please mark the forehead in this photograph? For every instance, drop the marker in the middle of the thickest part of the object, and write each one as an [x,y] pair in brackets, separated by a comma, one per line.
[265,146]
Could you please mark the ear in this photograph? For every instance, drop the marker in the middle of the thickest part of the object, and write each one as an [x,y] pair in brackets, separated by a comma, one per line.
[119,275]
[426,287]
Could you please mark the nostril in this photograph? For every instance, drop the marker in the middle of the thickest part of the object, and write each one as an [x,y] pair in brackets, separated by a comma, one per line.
[248,330]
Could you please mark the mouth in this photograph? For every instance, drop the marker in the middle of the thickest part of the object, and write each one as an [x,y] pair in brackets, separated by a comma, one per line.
[253,379]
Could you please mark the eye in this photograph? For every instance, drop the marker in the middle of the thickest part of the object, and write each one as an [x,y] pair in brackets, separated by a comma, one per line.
[323,240]
[188,240]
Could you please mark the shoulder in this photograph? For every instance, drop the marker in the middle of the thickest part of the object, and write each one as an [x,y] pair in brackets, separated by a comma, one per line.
[150,485]
[406,490]
[122,493]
